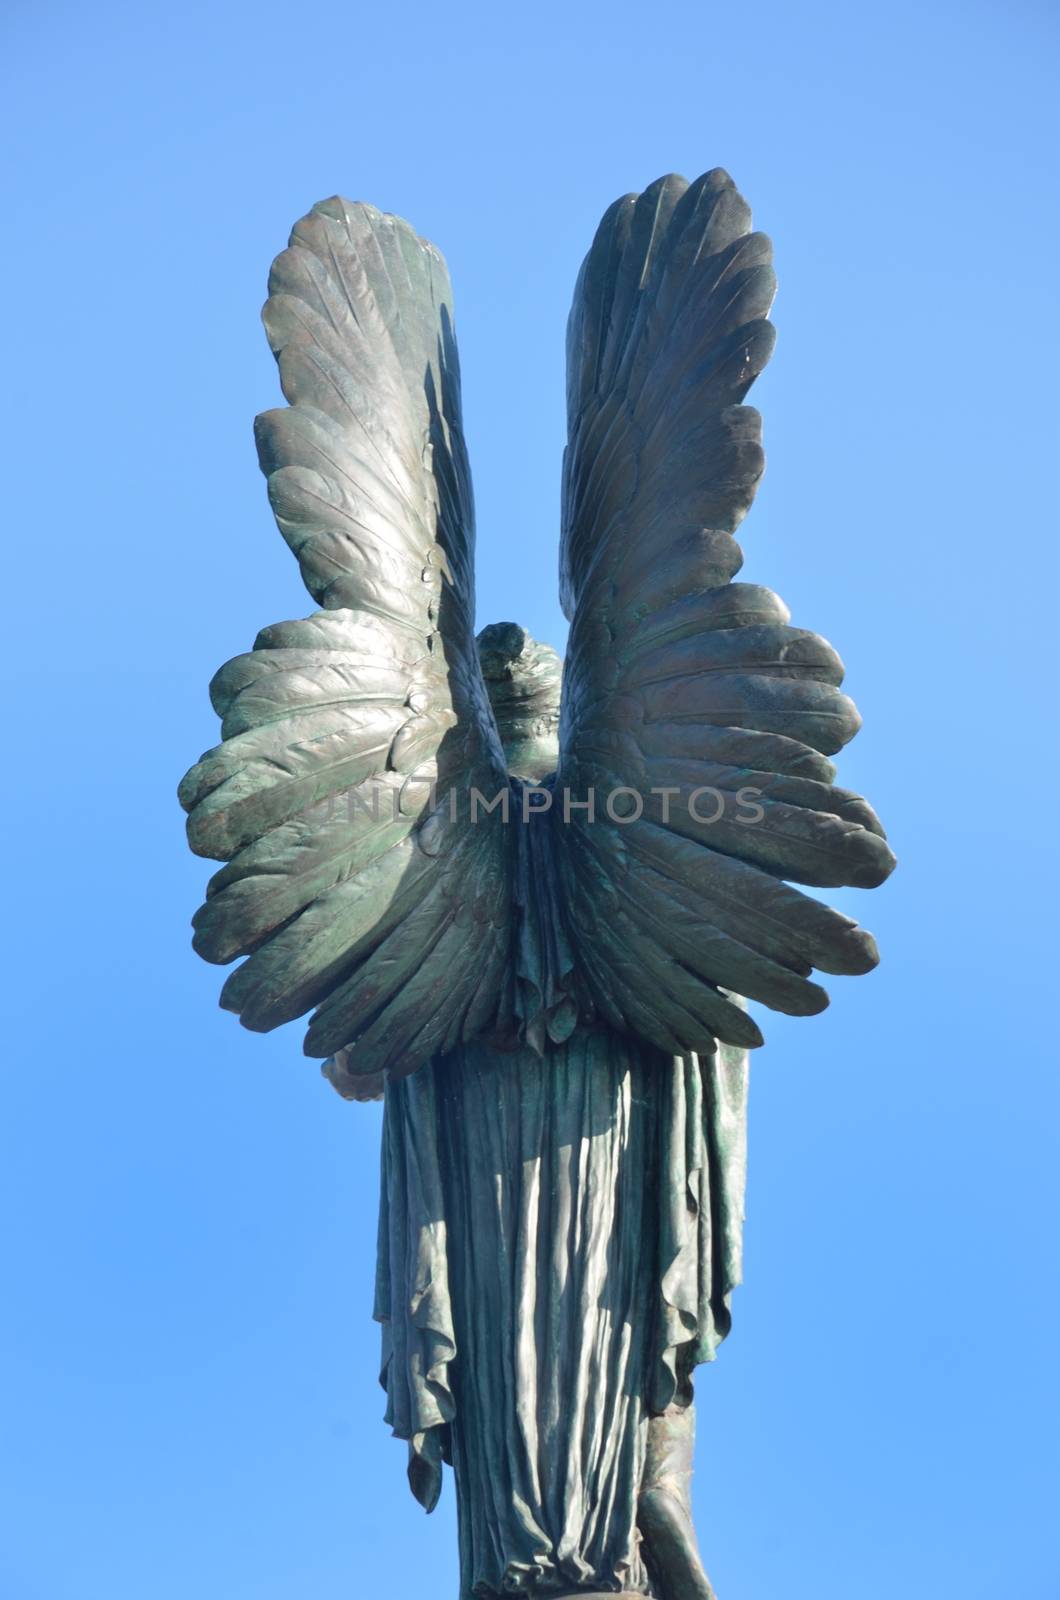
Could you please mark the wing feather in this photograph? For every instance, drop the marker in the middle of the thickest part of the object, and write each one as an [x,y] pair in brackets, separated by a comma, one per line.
[346,882]
[680,682]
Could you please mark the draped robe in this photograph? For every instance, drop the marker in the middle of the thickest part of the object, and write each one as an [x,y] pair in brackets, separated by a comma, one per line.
[559,1236]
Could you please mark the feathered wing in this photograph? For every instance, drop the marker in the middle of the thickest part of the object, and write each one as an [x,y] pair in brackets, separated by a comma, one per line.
[354,882]
[678,679]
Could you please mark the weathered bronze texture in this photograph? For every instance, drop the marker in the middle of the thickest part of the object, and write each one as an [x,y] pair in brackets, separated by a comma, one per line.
[526,900]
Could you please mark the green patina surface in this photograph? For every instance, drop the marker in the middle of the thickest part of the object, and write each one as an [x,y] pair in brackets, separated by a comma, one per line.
[550,1005]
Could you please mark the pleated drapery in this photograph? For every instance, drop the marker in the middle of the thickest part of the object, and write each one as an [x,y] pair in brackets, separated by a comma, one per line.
[559,1237]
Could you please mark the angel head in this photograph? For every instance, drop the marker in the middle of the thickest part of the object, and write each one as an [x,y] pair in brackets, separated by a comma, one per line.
[523,680]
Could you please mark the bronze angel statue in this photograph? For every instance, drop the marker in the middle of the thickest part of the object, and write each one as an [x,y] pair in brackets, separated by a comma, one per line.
[527,901]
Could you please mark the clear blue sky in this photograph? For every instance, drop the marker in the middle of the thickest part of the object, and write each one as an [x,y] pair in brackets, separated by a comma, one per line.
[189,1397]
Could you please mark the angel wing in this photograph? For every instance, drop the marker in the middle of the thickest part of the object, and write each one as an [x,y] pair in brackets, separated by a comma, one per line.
[685,689]
[352,884]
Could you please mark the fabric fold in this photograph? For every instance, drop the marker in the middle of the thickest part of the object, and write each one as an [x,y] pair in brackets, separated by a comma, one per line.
[560,1234]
